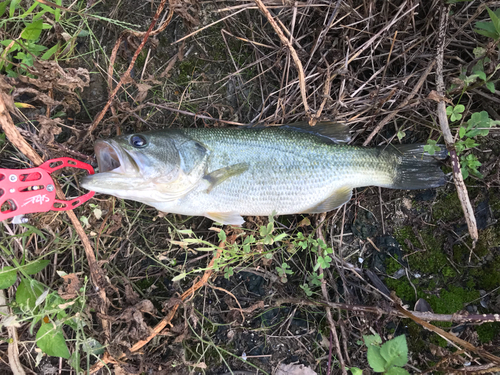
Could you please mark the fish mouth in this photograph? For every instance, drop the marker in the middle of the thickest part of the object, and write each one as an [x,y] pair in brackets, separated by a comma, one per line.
[112,158]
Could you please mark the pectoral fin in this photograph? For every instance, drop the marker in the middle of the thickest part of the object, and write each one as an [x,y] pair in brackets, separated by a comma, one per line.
[220,175]
[337,199]
[229,218]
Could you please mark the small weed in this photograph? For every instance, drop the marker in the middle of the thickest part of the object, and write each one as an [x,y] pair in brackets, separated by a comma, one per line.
[388,358]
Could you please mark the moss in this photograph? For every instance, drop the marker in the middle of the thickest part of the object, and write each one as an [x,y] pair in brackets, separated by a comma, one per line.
[391,265]
[451,300]
[448,208]
[488,276]
[402,288]
[430,260]
[487,332]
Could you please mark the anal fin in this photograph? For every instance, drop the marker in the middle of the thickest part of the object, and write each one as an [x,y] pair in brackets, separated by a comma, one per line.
[220,175]
[337,199]
[228,218]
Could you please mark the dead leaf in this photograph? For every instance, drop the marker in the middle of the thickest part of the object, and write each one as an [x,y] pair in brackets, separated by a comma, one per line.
[293,369]
[49,128]
[433,95]
[130,295]
[188,10]
[37,96]
[70,288]
[143,91]
[170,65]
[116,223]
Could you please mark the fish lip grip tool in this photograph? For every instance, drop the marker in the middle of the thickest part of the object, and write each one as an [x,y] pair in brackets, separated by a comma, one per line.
[24,191]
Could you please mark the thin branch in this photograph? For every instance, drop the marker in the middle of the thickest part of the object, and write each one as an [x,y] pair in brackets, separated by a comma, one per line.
[463,195]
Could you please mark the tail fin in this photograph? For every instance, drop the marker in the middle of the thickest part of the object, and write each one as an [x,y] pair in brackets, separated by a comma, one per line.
[417,169]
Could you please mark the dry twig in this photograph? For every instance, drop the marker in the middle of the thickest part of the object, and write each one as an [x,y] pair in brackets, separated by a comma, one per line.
[296,59]
[463,195]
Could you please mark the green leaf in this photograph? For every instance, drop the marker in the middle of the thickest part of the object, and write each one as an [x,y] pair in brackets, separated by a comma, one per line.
[179,276]
[51,340]
[13,6]
[375,359]
[35,267]
[465,172]
[8,277]
[222,236]
[490,86]
[27,292]
[372,340]
[3,7]
[489,34]
[395,351]
[494,19]
[32,30]
[397,371]
[356,371]
[279,237]
[462,131]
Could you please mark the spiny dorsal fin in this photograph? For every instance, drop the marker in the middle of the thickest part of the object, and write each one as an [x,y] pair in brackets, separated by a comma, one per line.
[337,132]
[337,199]
[220,175]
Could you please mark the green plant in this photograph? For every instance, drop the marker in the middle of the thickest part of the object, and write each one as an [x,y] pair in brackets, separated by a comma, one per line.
[283,271]
[490,29]
[21,52]
[455,112]
[388,358]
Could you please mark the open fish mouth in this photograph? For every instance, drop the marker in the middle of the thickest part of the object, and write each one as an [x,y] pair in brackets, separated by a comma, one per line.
[112,158]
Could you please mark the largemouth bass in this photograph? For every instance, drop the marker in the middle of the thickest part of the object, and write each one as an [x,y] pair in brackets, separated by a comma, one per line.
[227,173]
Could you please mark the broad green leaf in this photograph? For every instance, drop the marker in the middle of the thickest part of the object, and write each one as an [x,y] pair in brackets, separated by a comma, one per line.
[490,86]
[465,172]
[32,30]
[3,7]
[494,19]
[489,34]
[372,340]
[397,371]
[8,277]
[51,340]
[375,359]
[462,131]
[395,351]
[28,291]
[35,267]
[83,33]
[222,236]
[356,371]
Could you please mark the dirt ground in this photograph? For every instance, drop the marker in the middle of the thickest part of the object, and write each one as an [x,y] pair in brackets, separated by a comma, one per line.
[267,302]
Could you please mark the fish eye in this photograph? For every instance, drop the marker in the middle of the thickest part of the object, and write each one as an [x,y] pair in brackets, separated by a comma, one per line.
[138,141]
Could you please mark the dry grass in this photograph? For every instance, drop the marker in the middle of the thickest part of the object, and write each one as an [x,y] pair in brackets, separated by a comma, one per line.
[220,63]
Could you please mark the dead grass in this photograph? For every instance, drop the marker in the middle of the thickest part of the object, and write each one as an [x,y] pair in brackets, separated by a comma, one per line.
[370,64]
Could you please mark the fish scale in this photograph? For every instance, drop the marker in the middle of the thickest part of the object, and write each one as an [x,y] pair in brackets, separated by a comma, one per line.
[256,171]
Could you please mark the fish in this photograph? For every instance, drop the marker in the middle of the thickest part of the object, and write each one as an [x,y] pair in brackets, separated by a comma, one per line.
[227,173]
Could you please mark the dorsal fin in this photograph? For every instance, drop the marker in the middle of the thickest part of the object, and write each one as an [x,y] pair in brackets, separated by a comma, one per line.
[335,131]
